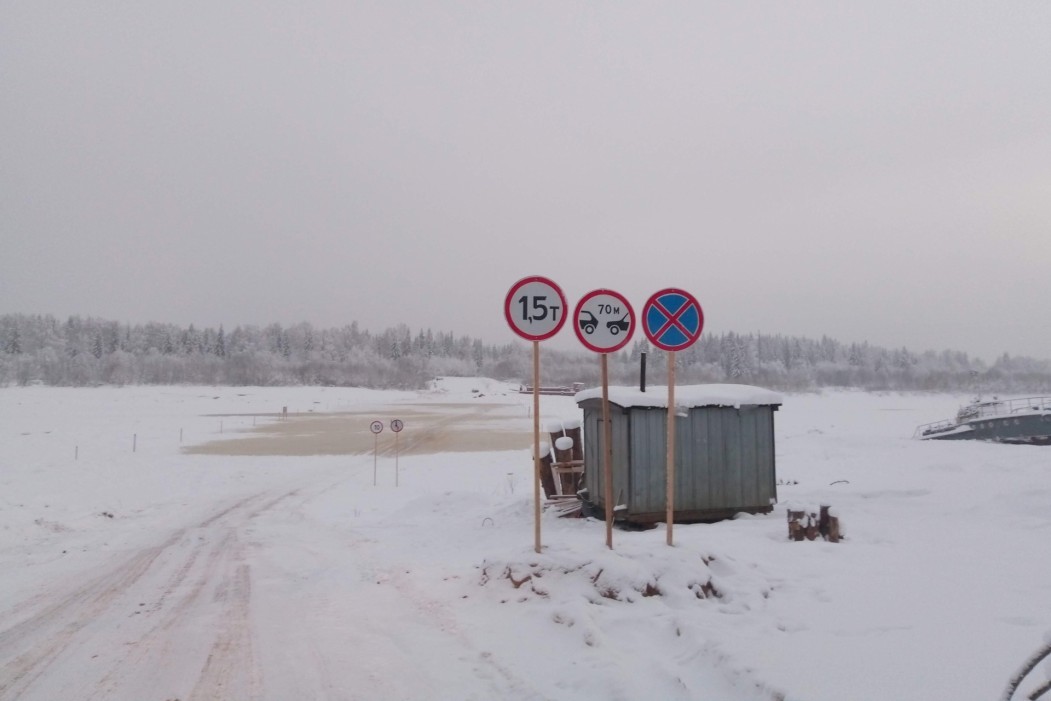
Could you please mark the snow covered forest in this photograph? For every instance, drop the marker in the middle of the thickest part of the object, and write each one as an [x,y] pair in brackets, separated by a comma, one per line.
[37,349]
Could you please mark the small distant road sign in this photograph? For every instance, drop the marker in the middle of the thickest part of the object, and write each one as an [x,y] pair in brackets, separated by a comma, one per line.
[376,427]
[397,425]
[672,319]
[604,321]
[535,308]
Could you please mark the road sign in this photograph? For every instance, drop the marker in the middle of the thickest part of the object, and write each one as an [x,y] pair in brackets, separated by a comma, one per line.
[535,308]
[397,425]
[672,319]
[376,427]
[604,321]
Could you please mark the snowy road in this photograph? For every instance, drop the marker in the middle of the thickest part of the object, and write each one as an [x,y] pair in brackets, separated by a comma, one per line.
[255,600]
[193,618]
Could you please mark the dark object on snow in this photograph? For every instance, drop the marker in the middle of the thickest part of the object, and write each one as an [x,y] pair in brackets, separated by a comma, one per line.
[546,480]
[559,390]
[797,523]
[1028,666]
[804,525]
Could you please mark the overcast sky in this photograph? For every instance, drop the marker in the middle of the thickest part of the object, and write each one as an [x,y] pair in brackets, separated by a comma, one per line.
[874,171]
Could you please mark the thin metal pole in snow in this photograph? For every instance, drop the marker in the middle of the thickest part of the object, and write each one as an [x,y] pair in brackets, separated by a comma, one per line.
[375,453]
[395,458]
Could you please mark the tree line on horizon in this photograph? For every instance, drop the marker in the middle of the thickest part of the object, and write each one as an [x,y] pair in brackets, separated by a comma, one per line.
[87,351]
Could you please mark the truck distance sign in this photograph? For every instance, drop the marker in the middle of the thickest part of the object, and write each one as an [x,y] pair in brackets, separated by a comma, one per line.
[604,321]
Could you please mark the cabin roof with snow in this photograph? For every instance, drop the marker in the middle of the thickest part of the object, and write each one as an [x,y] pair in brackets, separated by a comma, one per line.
[687,396]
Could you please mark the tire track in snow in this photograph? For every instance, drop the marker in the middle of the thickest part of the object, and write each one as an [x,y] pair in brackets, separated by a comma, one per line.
[171,607]
[231,670]
[44,640]
[29,647]
[49,632]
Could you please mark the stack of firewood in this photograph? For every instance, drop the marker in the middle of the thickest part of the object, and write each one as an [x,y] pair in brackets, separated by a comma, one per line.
[808,524]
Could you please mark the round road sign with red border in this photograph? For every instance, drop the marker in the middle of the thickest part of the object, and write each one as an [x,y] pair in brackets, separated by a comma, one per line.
[672,319]
[376,427]
[604,321]
[397,425]
[535,308]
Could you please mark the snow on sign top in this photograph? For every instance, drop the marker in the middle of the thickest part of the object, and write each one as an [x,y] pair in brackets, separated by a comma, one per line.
[686,396]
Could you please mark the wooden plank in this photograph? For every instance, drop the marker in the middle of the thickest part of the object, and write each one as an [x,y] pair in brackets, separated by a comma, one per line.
[547,481]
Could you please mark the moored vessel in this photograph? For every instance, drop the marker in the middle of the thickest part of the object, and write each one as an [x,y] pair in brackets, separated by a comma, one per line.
[1025,420]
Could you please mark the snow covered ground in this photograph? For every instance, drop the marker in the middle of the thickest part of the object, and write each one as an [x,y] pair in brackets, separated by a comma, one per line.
[132,569]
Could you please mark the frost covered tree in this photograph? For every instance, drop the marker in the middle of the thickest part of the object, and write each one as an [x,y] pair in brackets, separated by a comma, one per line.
[85,351]
[13,346]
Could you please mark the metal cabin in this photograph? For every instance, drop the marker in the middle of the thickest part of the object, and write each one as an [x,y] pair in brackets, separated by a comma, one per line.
[724,451]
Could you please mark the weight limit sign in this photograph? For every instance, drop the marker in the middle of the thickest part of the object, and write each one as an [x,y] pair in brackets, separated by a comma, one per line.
[535,308]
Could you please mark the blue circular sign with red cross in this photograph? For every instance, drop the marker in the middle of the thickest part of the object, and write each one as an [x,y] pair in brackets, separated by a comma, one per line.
[672,319]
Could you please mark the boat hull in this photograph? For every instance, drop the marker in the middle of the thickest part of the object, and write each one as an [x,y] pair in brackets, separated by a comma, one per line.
[1029,429]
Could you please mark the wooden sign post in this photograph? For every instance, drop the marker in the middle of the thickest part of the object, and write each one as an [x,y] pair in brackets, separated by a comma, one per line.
[669,496]
[604,321]
[536,446]
[673,320]
[535,309]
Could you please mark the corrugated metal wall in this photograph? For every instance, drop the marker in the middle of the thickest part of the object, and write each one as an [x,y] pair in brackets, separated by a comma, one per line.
[593,442]
[648,460]
[724,458]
